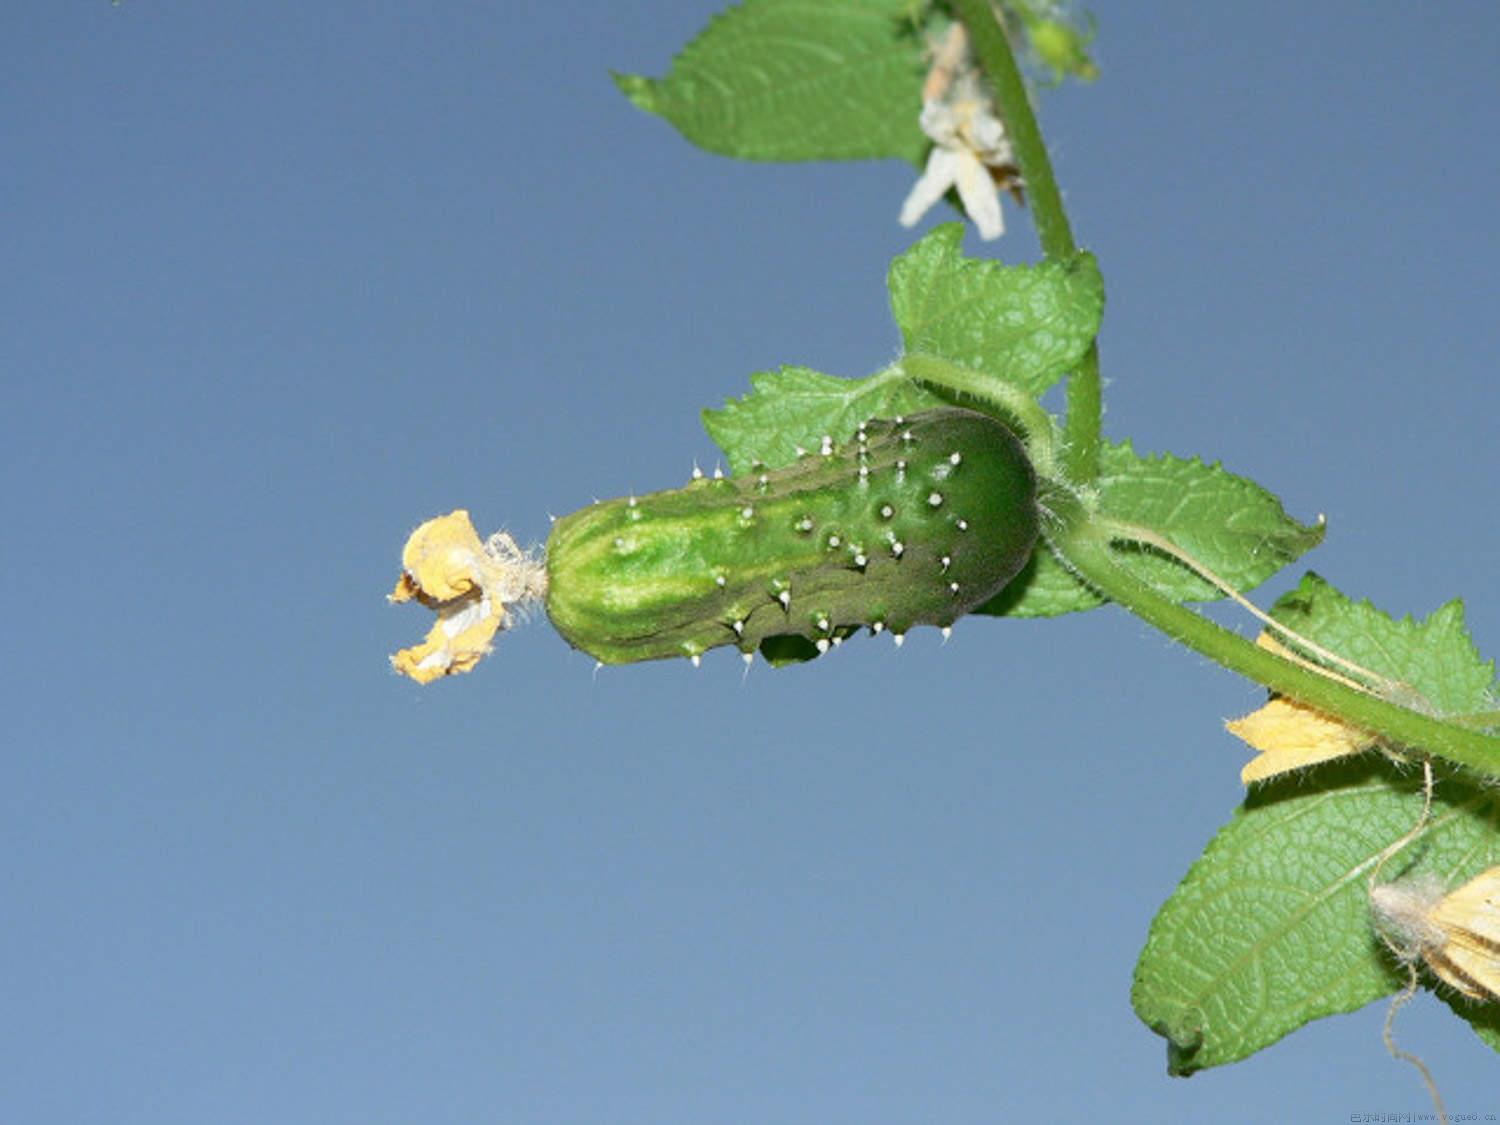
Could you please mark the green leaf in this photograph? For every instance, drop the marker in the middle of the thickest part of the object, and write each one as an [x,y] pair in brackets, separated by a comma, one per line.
[1230,524]
[1029,325]
[1436,658]
[1484,1019]
[796,406]
[1271,927]
[797,80]
[1025,324]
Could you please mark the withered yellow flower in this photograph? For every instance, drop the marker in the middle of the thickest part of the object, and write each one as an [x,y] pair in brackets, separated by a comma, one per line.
[1457,934]
[1290,736]
[470,584]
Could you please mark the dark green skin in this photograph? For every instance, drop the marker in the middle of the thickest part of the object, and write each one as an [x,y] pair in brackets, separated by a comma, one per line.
[677,573]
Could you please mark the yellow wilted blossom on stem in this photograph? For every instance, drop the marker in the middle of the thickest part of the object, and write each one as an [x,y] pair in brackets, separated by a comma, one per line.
[1290,736]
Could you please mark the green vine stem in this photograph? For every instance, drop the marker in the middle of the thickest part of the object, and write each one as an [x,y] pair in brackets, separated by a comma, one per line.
[1085,420]
[1480,720]
[992,49]
[1085,548]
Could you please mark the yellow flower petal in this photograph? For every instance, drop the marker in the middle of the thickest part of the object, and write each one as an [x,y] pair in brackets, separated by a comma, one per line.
[464,633]
[469,583]
[443,559]
[1290,737]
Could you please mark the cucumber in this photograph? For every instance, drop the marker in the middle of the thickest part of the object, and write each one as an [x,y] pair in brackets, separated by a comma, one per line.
[912,521]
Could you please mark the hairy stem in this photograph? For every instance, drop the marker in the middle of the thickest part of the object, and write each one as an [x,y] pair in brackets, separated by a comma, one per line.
[1134,533]
[1085,420]
[992,48]
[1085,547]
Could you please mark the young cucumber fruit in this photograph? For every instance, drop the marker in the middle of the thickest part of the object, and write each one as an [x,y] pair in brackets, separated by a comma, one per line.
[914,521]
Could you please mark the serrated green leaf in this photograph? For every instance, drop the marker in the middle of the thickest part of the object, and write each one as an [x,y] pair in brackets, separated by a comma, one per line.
[796,406]
[1436,657]
[1271,927]
[797,80]
[1230,524]
[1029,325]
[1026,324]
[1483,1018]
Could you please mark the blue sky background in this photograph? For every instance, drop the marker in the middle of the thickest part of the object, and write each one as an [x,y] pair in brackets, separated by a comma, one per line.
[284,279]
